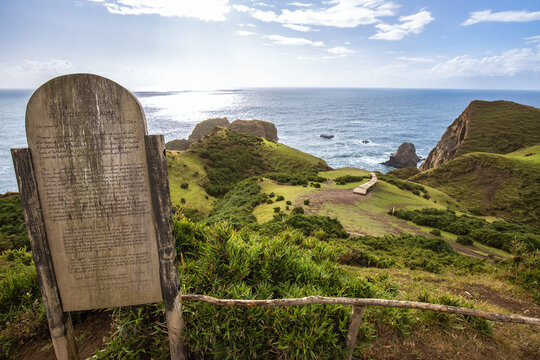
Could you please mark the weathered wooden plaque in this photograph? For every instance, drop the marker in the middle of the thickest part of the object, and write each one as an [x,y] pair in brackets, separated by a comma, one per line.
[86,135]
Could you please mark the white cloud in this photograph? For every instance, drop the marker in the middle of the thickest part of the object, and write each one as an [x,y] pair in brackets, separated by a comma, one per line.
[340,50]
[509,63]
[502,16]
[207,10]
[341,13]
[300,4]
[533,39]
[31,73]
[283,40]
[245,33]
[415,59]
[409,24]
[302,28]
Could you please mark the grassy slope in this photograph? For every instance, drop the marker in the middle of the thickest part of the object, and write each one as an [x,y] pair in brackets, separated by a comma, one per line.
[503,185]
[365,217]
[258,156]
[501,127]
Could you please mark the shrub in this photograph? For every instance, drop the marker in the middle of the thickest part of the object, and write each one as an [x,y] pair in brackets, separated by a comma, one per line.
[306,202]
[426,196]
[269,201]
[288,202]
[280,198]
[277,209]
[464,240]
[435,232]
[184,185]
[342,180]
[183,200]
[297,210]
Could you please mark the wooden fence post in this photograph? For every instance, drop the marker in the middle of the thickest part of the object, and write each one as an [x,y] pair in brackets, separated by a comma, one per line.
[161,203]
[356,319]
[60,325]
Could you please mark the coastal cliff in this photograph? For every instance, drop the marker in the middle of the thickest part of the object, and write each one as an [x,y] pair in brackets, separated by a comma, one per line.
[450,142]
[498,127]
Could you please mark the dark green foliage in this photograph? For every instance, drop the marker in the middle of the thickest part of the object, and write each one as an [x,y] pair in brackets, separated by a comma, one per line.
[184,185]
[464,240]
[407,251]
[323,227]
[297,210]
[404,173]
[269,201]
[288,202]
[483,326]
[302,178]
[306,202]
[524,269]
[277,209]
[13,233]
[426,196]
[235,208]
[271,195]
[435,232]
[403,185]
[499,234]
[280,198]
[22,315]
[242,265]
[342,180]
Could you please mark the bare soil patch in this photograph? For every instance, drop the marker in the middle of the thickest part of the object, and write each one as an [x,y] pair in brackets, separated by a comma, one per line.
[89,335]
[500,299]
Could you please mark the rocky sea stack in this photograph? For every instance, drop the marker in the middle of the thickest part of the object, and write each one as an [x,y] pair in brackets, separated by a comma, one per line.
[405,156]
[259,128]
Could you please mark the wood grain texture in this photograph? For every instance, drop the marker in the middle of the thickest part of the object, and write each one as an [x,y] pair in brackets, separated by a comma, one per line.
[161,204]
[60,325]
[352,334]
[517,319]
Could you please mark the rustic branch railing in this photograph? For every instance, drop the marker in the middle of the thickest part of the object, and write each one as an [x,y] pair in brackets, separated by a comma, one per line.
[358,310]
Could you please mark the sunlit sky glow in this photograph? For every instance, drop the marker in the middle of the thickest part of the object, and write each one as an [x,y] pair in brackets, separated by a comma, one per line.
[217,44]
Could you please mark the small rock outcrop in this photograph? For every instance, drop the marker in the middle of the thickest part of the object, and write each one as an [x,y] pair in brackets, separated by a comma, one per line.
[450,141]
[365,141]
[405,156]
[327,136]
[204,127]
[178,145]
[259,128]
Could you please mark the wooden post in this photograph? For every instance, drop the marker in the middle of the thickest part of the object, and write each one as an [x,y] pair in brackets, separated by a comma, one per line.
[161,203]
[60,325]
[356,319]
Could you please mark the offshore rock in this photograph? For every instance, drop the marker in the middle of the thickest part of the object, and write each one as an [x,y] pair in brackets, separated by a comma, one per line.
[259,128]
[405,156]
[327,136]
[204,127]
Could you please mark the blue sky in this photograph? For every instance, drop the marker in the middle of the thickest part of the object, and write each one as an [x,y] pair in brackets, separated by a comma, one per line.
[211,44]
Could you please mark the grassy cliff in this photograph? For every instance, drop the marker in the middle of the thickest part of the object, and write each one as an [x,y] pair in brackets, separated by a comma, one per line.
[492,184]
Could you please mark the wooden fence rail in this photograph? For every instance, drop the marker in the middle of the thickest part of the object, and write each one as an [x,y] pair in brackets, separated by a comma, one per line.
[358,310]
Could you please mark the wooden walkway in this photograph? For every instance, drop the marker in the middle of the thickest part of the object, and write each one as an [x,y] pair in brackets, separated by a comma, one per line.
[363,189]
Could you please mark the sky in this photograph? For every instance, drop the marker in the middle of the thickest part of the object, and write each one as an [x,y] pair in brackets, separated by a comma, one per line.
[224,44]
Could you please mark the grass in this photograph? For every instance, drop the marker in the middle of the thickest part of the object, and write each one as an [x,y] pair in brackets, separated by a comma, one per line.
[506,186]
[185,167]
[500,127]
[12,226]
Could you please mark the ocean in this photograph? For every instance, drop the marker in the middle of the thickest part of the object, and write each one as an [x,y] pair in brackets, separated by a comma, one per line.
[384,117]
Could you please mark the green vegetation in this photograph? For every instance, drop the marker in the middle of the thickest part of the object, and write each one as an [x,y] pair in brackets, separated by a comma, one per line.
[404,173]
[500,235]
[12,227]
[407,251]
[500,127]
[346,179]
[231,156]
[22,316]
[506,186]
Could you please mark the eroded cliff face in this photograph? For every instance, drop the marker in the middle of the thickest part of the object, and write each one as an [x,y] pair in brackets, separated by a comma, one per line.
[450,142]
[260,128]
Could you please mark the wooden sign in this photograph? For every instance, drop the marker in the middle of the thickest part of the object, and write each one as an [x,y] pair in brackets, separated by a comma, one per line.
[95,194]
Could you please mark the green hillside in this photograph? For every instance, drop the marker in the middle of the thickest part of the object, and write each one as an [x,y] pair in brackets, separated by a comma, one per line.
[500,127]
[223,158]
[502,185]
